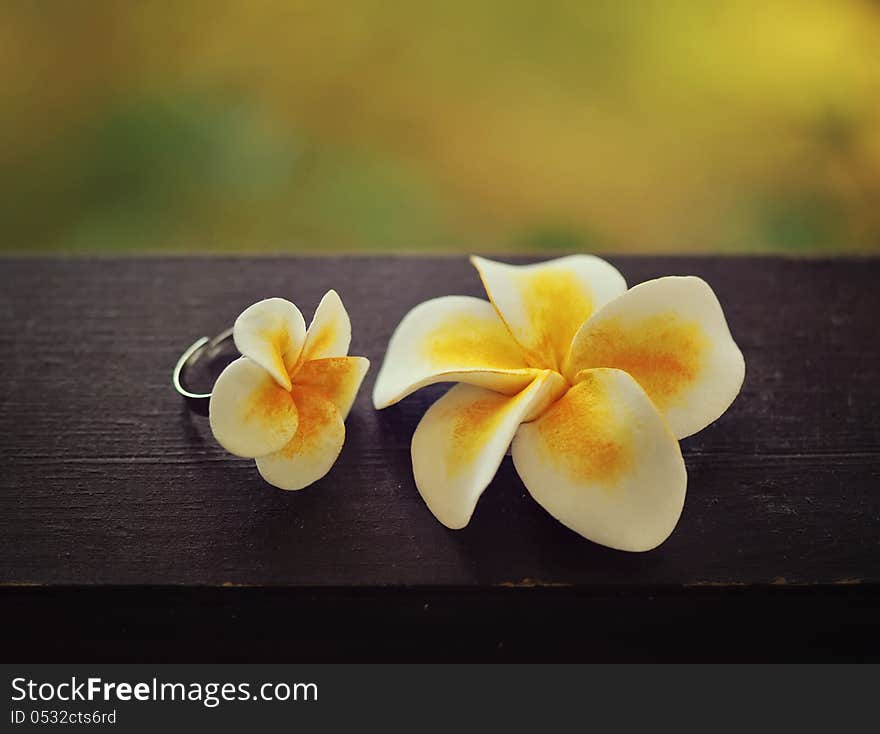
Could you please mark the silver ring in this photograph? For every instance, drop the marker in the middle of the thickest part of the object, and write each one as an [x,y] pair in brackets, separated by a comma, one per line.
[199,349]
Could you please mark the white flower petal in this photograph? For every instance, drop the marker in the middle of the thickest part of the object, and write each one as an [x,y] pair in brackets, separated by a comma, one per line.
[603,462]
[271,333]
[461,440]
[329,334]
[249,413]
[311,453]
[450,339]
[671,336]
[336,378]
[545,304]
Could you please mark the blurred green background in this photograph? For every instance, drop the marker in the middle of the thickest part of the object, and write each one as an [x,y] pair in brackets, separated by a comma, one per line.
[297,126]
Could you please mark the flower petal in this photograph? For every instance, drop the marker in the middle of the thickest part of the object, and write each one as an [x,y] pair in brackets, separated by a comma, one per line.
[671,336]
[329,334]
[461,440]
[604,463]
[249,414]
[271,333]
[545,304]
[336,378]
[311,453]
[450,339]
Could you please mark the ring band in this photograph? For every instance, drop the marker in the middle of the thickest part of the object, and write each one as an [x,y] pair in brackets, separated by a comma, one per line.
[197,402]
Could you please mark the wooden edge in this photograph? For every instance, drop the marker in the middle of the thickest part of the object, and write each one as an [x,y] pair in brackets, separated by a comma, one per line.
[396,624]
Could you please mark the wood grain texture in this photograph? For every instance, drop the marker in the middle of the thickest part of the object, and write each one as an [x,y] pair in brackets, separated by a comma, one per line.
[106,478]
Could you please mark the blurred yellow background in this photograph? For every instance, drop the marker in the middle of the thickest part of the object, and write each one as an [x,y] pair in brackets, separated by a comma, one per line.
[482,125]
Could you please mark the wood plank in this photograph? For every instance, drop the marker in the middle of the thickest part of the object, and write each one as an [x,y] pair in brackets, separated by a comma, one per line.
[107,479]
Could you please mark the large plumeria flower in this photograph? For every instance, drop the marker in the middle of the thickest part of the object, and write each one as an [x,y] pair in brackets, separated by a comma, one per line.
[284,402]
[592,383]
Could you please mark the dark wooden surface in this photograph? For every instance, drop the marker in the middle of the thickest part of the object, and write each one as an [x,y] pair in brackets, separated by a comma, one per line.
[107,481]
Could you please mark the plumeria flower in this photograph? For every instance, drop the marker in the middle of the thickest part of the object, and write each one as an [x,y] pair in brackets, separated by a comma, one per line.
[284,402]
[591,383]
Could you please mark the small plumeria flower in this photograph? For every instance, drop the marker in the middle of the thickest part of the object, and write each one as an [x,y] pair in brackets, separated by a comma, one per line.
[284,402]
[591,383]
